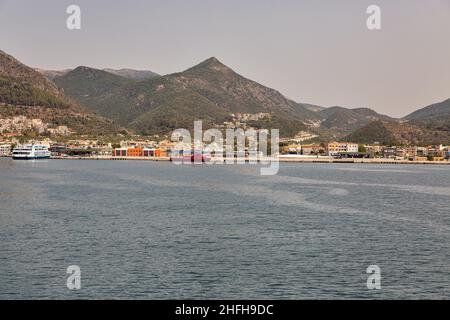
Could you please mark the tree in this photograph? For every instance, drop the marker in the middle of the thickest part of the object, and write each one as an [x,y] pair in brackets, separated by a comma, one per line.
[362,149]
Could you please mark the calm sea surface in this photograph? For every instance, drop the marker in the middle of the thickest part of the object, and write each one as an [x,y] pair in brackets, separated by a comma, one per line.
[153,230]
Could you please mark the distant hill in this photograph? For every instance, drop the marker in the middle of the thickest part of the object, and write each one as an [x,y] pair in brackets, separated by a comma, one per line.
[52,74]
[345,120]
[235,93]
[210,91]
[24,91]
[85,84]
[426,126]
[313,107]
[150,104]
[435,112]
[400,133]
[133,74]
[126,73]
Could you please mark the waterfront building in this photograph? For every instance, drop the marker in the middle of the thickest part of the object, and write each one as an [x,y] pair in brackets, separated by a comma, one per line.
[421,152]
[400,153]
[311,149]
[120,152]
[374,150]
[5,150]
[148,152]
[135,152]
[410,152]
[336,148]
[164,148]
[435,151]
[291,149]
[390,152]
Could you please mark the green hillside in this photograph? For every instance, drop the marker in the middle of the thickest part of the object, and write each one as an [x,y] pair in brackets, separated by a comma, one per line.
[210,91]
[26,92]
[400,133]
[435,112]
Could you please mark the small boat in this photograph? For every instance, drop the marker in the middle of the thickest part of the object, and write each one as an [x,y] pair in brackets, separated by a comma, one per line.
[200,157]
[30,152]
[193,157]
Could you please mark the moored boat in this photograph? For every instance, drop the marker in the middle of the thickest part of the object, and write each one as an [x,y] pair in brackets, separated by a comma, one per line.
[30,152]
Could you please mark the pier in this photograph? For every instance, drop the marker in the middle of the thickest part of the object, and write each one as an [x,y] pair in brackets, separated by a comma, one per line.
[285,159]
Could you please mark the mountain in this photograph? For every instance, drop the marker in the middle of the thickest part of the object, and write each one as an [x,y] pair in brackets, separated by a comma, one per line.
[426,126]
[235,93]
[52,74]
[24,91]
[216,94]
[126,73]
[133,74]
[313,107]
[344,121]
[84,83]
[376,131]
[209,91]
[435,112]
[400,133]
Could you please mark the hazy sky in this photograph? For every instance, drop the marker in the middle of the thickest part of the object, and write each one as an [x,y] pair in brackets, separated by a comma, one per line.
[315,51]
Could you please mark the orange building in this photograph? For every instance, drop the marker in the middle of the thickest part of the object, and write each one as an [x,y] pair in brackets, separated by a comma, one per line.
[165,148]
[134,152]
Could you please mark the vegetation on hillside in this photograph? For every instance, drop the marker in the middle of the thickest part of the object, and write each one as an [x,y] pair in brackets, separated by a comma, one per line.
[209,91]
[26,92]
[397,133]
[15,92]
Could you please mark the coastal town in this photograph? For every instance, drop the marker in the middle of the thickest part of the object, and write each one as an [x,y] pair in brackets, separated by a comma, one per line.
[289,150]
[225,159]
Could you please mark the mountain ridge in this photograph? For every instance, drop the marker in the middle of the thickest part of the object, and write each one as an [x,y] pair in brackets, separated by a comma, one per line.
[26,92]
[133,74]
[129,73]
[210,91]
[435,111]
[426,126]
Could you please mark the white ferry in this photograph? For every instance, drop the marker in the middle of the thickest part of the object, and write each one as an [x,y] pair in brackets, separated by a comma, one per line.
[28,152]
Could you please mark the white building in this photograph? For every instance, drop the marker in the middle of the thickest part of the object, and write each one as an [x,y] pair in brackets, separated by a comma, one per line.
[352,147]
[5,150]
[334,148]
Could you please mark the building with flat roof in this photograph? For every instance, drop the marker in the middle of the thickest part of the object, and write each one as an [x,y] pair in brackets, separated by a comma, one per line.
[5,150]
[135,152]
[336,148]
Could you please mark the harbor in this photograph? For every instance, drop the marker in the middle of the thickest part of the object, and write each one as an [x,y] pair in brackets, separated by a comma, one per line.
[323,160]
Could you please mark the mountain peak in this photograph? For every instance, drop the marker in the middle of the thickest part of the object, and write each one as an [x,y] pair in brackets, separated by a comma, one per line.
[28,93]
[89,73]
[14,69]
[213,60]
[210,64]
[132,73]
[85,69]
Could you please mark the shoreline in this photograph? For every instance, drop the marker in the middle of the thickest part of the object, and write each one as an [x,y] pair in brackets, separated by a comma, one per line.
[324,160]
[363,161]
